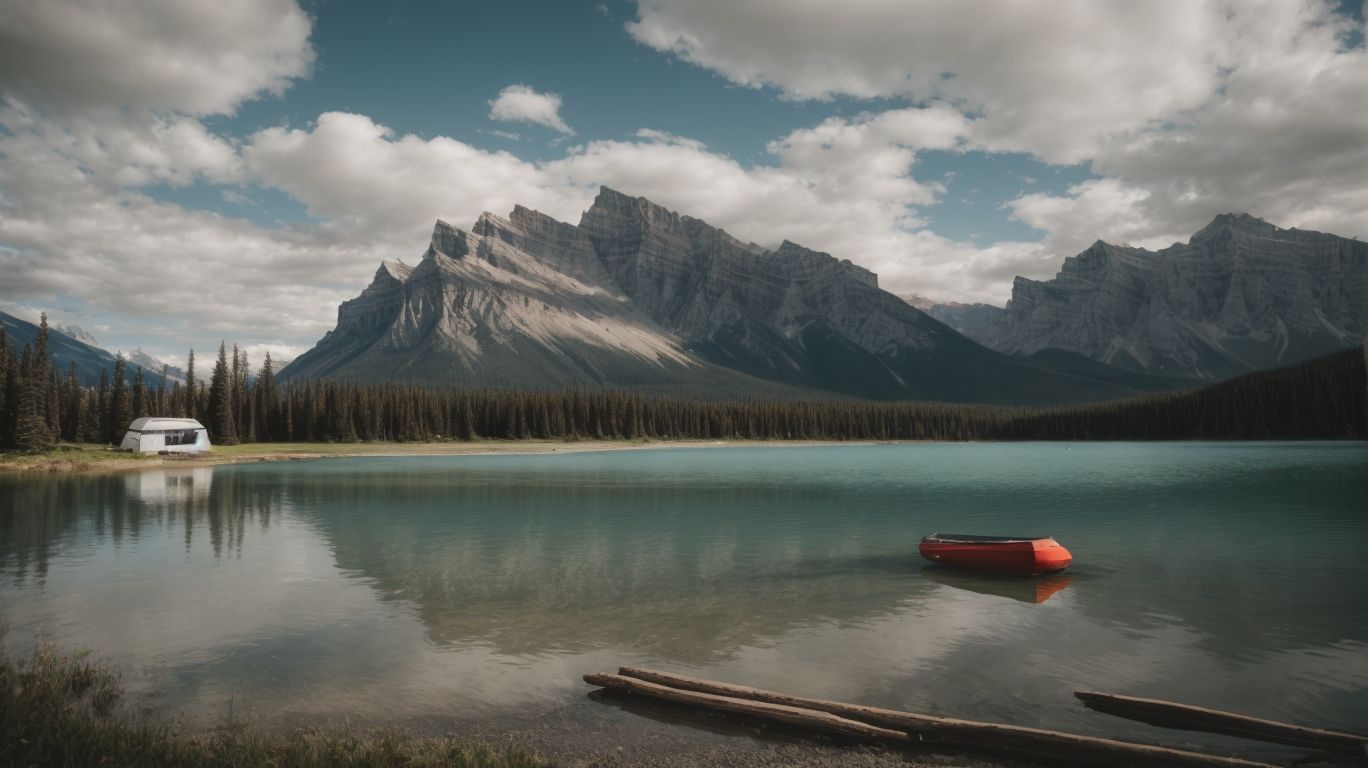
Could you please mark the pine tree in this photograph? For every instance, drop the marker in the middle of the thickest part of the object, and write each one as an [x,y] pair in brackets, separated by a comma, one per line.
[220,402]
[39,378]
[97,412]
[9,391]
[139,399]
[73,417]
[30,428]
[31,432]
[189,410]
[120,405]
[242,407]
[234,394]
[263,401]
[52,389]
[161,406]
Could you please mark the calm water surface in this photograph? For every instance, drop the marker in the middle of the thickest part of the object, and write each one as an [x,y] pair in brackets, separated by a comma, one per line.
[479,589]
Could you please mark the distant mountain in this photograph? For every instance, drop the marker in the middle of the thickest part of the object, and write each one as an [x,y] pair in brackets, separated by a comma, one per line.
[78,333]
[640,296]
[90,359]
[152,367]
[917,300]
[1241,295]
[968,319]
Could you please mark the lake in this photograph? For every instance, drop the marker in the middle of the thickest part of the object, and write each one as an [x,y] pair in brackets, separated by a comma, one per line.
[477,589]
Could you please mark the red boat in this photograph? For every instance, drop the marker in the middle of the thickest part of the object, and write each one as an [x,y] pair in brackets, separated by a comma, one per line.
[1024,556]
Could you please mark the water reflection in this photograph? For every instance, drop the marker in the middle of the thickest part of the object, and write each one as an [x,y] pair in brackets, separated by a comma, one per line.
[161,486]
[1033,590]
[478,587]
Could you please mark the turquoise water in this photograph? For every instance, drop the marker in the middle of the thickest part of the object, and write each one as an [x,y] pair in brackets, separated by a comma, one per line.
[478,589]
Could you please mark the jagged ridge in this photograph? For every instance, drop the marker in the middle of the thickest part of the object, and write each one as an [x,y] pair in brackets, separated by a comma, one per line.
[638,295]
[1241,295]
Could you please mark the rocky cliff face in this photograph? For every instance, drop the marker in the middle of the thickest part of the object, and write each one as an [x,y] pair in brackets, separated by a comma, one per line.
[637,295]
[1241,295]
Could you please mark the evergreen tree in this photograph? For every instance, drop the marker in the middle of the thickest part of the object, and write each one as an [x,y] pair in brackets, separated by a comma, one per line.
[263,401]
[9,391]
[30,428]
[39,377]
[234,395]
[120,404]
[138,401]
[220,402]
[188,409]
[97,411]
[73,414]
[161,393]
[40,348]
[52,390]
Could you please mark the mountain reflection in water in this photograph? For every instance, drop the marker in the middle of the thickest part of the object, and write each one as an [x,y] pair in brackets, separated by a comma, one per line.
[481,588]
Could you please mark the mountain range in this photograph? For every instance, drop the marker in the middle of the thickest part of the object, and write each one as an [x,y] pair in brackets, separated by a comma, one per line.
[71,343]
[636,295]
[1241,295]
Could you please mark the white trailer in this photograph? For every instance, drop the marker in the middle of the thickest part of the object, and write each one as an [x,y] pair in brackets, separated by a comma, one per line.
[152,434]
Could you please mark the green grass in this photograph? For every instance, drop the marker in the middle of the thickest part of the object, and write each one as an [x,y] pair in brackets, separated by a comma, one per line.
[91,455]
[65,710]
[248,450]
[71,453]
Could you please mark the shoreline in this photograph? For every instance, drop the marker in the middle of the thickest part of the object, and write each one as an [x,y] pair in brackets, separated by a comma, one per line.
[98,460]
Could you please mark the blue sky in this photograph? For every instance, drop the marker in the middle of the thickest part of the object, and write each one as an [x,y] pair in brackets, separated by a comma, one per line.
[263,156]
[611,86]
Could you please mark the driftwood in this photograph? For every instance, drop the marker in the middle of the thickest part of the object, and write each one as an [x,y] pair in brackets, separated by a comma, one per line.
[805,718]
[924,730]
[1187,717]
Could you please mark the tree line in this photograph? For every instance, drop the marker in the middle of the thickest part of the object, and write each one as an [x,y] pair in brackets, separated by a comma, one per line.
[40,406]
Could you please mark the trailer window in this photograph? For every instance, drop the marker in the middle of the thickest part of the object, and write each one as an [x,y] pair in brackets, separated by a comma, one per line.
[184,437]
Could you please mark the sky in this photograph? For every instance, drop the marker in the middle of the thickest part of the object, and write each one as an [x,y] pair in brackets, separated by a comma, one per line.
[174,173]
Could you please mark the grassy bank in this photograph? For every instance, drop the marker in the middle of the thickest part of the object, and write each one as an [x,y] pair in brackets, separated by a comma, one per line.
[76,458]
[58,710]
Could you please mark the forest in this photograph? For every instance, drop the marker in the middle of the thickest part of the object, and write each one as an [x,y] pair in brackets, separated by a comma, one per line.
[1326,398]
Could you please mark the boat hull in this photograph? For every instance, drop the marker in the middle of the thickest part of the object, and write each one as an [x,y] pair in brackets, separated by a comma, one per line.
[1023,557]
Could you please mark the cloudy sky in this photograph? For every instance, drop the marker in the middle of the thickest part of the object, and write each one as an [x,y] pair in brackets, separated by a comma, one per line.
[176,172]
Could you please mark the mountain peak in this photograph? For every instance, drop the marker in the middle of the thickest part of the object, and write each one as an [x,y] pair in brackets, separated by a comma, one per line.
[395,269]
[1236,222]
[612,204]
[78,333]
[609,193]
[448,241]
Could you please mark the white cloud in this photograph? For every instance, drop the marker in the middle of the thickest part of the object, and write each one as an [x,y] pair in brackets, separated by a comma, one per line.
[101,99]
[1185,109]
[1099,209]
[357,174]
[842,186]
[281,353]
[1054,78]
[72,227]
[522,104]
[132,149]
[196,57]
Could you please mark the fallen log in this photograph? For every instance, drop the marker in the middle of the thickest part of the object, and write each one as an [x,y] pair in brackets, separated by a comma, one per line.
[1185,716]
[806,718]
[928,729]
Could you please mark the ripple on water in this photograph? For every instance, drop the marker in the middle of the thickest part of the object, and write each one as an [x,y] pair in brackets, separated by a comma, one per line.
[480,588]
